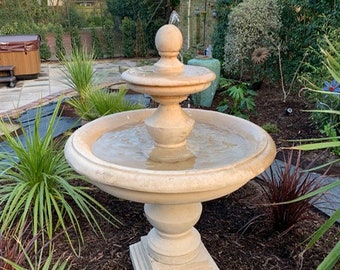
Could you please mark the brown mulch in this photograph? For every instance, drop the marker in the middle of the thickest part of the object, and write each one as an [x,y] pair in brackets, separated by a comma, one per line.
[235,229]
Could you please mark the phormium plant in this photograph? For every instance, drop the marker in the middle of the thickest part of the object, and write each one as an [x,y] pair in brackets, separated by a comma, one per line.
[36,185]
[285,183]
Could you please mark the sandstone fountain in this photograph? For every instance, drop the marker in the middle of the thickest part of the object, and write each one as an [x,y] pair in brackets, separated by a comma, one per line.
[169,158]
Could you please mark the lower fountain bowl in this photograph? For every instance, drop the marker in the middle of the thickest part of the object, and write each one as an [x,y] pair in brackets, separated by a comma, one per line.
[182,182]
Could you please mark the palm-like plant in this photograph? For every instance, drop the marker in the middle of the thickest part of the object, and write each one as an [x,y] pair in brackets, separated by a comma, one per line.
[35,184]
[78,70]
[101,102]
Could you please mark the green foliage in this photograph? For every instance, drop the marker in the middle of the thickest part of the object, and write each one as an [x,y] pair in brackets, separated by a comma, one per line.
[59,48]
[332,65]
[36,185]
[304,23]
[141,49]
[153,14]
[108,29]
[223,8]
[75,38]
[252,24]
[327,104]
[97,43]
[270,128]
[78,70]
[100,102]
[239,99]
[286,183]
[128,30]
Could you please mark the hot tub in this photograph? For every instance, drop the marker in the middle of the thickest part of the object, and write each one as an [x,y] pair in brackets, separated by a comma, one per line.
[22,52]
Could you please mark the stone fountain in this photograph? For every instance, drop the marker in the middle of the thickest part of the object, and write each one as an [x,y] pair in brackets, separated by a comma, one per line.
[169,158]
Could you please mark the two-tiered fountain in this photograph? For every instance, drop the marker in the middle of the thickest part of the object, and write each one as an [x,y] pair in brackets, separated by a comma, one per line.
[170,158]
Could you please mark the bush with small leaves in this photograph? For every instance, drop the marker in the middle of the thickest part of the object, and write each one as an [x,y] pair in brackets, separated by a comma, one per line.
[253,24]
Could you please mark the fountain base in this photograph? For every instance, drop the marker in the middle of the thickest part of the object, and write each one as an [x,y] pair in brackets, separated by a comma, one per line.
[173,243]
[142,261]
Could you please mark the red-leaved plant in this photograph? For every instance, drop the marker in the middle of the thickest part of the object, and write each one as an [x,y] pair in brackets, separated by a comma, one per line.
[283,183]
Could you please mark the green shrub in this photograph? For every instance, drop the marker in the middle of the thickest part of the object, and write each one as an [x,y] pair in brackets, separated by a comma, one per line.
[108,29]
[252,24]
[238,100]
[59,48]
[223,8]
[128,30]
[97,44]
[36,185]
[332,65]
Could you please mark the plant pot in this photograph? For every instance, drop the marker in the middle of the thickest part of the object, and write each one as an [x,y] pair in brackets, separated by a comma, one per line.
[206,97]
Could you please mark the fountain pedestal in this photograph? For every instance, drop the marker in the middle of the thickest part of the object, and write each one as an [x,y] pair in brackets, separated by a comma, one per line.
[173,243]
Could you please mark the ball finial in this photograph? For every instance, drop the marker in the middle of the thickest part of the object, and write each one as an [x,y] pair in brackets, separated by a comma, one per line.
[169,42]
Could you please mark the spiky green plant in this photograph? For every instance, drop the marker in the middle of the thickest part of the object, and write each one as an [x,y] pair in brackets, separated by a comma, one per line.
[100,102]
[35,184]
[78,70]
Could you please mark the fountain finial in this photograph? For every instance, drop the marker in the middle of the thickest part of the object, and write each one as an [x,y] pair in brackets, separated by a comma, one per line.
[169,42]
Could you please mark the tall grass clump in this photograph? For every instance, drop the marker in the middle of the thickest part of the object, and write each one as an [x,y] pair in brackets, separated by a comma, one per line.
[78,70]
[36,184]
[100,102]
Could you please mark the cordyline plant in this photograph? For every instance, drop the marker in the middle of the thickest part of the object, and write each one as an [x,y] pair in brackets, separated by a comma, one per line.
[285,183]
[78,70]
[100,102]
[35,185]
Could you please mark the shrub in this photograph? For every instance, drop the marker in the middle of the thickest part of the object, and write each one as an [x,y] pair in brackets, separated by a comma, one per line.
[36,185]
[97,47]
[100,102]
[108,29]
[59,48]
[286,183]
[252,24]
[332,65]
[128,30]
[223,8]
[239,99]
